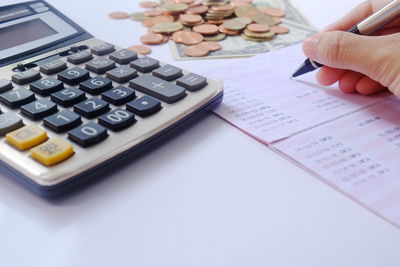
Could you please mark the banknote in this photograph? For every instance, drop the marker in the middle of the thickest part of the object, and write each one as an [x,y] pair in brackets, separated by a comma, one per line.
[236,46]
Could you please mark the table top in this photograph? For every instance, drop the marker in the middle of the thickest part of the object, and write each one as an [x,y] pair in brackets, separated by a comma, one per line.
[249,207]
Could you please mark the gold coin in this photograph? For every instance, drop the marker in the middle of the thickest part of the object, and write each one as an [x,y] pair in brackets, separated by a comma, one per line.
[141,49]
[242,11]
[213,46]
[263,19]
[196,51]
[206,29]
[233,25]
[254,39]
[280,29]
[152,39]
[215,38]
[267,35]
[243,20]
[274,12]
[167,27]
[258,28]
[225,8]
[118,15]
[174,8]
[149,4]
[138,16]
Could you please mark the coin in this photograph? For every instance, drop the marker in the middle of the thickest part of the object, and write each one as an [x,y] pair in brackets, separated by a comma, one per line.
[138,16]
[252,39]
[233,25]
[118,15]
[174,8]
[190,38]
[197,10]
[216,22]
[243,20]
[196,51]
[274,12]
[176,37]
[242,11]
[258,28]
[263,19]
[152,39]
[280,29]
[227,32]
[167,27]
[267,35]
[215,38]
[206,29]
[141,49]
[149,4]
[213,46]
[190,18]
[225,8]
[153,13]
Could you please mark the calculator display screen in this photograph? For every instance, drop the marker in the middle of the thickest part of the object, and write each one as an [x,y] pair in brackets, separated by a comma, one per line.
[25,32]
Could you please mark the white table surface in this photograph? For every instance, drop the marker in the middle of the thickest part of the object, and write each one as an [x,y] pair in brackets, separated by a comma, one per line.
[210,197]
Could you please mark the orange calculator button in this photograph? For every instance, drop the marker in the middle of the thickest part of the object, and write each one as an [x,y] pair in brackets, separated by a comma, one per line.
[27,137]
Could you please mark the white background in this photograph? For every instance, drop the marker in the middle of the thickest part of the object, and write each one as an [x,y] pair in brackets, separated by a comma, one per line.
[210,197]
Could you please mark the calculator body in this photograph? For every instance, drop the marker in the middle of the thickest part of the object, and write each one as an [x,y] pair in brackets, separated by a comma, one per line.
[56,38]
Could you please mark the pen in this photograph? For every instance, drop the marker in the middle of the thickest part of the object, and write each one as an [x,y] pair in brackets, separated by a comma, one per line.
[368,26]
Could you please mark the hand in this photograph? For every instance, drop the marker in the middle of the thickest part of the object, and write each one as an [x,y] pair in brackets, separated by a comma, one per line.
[363,64]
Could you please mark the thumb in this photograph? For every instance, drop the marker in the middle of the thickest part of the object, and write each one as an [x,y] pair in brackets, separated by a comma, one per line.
[376,57]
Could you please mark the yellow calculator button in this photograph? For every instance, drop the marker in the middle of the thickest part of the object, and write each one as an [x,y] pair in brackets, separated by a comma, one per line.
[27,137]
[52,152]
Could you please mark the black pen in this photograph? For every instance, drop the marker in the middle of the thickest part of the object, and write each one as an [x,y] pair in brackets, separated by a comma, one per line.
[368,26]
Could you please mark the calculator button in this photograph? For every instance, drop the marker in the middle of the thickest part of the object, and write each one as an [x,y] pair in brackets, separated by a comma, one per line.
[68,97]
[158,88]
[80,57]
[92,107]
[9,122]
[192,82]
[145,64]
[39,109]
[100,65]
[46,86]
[88,134]
[123,56]
[103,49]
[27,137]
[96,85]
[16,98]
[117,119]
[62,121]
[52,151]
[53,67]
[168,72]
[5,85]
[74,75]
[144,106]
[119,95]
[122,74]
[27,76]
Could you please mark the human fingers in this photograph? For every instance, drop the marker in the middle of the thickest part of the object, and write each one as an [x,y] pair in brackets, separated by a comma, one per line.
[327,76]
[349,80]
[367,86]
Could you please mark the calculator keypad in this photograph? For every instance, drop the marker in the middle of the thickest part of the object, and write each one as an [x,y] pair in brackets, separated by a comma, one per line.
[112,79]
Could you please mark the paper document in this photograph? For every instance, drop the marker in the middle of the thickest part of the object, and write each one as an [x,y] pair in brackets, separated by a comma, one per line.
[351,142]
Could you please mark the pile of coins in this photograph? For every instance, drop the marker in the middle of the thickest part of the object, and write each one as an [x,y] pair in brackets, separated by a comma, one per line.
[200,24]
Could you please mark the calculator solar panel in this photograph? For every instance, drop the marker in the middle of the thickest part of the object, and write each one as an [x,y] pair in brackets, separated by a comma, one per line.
[67,111]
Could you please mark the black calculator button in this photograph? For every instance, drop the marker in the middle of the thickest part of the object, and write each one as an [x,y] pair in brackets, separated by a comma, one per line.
[80,57]
[103,49]
[123,56]
[5,85]
[39,109]
[168,72]
[62,121]
[88,134]
[74,75]
[96,85]
[92,107]
[145,64]
[119,95]
[16,98]
[158,88]
[122,74]
[144,106]
[117,119]
[100,65]
[192,82]
[27,76]
[53,67]
[46,86]
[9,122]
[68,97]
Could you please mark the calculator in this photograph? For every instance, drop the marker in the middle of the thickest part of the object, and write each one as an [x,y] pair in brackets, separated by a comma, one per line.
[73,106]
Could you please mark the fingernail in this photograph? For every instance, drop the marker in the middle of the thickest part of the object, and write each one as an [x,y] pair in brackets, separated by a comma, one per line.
[310,47]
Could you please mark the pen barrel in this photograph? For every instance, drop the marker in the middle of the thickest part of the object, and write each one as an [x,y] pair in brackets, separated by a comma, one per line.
[380,19]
